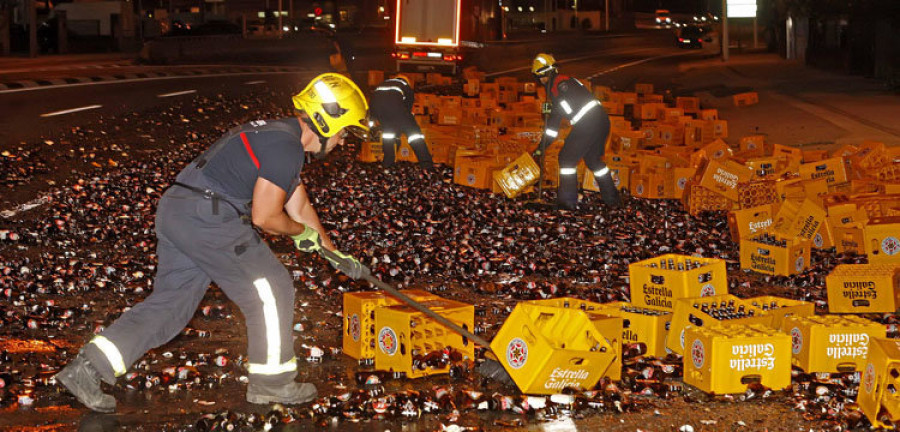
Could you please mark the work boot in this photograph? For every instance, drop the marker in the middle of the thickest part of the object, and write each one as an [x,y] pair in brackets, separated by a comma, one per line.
[81,379]
[292,393]
[567,206]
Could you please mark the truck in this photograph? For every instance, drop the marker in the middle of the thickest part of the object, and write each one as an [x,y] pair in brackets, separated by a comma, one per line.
[426,36]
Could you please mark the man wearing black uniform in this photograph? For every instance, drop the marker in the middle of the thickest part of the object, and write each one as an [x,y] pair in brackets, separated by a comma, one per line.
[587,139]
[204,234]
[391,106]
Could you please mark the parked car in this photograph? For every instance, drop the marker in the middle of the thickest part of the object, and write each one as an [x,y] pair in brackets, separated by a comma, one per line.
[693,36]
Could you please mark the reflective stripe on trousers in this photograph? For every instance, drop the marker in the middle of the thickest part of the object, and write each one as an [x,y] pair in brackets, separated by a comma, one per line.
[112,354]
[273,365]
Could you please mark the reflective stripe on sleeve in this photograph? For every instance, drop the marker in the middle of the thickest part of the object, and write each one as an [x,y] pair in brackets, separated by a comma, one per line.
[601,172]
[388,135]
[551,133]
[414,137]
[567,171]
[584,109]
[371,124]
[565,106]
[112,354]
[390,89]
[273,369]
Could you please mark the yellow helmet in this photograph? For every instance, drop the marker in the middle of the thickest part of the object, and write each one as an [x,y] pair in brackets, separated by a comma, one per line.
[332,101]
[542,64]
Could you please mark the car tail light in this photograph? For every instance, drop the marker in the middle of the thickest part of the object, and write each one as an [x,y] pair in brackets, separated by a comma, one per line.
[680,39]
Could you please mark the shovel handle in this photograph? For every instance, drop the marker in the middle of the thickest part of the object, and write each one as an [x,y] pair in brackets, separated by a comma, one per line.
[416,305]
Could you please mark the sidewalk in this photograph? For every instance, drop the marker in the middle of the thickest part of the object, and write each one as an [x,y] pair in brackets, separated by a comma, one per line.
[798,105]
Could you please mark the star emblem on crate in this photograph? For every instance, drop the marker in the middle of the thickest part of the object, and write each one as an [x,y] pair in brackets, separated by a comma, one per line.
[516,353]
[387,340]
[698,353]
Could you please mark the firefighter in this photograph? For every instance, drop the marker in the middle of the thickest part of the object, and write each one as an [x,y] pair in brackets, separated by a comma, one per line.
[587,139]
[204,229]
[391,107]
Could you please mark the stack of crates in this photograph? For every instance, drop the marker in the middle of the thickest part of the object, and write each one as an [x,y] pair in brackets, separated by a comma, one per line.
[863,288]
[751,221]
[830,343]
[724,360]
[547,349]
[656,283]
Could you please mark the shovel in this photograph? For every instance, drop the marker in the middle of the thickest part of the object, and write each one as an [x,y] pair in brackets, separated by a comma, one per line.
[491,368]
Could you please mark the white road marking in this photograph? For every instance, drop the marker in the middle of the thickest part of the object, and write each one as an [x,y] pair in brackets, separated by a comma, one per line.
[132,80]
[255,82]
[70,111]
[634,63]
[165,95]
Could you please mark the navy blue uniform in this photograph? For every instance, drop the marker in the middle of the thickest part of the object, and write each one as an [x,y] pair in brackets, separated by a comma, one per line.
[391,105]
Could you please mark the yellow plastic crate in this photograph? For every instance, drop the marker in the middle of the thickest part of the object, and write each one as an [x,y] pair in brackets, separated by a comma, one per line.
[883,240]
[751,221]
[723,360]
[779,257]
[518,176]
[607,323]
[723,177]
[657,282]
[863,288]
[746,99]
[830,343]
[880,381]
[359,319]
[834,170]
[404,335]
[546,349]
[641,325]
[780,308]
[371,152]
[705,312]
[800,219]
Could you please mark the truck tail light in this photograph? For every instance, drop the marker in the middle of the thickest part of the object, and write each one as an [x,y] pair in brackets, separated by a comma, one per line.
[420,54]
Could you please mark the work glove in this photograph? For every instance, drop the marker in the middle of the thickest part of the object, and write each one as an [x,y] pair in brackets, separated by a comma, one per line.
[347,265]
[537,154]
[308,241]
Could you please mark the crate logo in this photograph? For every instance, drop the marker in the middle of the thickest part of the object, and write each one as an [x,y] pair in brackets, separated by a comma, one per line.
[847,345]
[698,353]
[682,182]
[799,265]
[818,241]
[707,290]
[759,225]
[387,341]
[561,378]
[869,377]
[639,189]
[516,353]
[859,290]
[470,179]
[752,356]
[404,152]
[725,178]
[615,177]
[796,340]
[718,154]
[890,245]
[354,327]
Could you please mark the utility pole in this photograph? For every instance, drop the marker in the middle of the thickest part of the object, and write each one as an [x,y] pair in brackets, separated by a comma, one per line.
[724,30]
[606,13]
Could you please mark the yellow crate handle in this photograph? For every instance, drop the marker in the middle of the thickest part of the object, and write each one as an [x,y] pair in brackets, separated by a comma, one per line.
[578,361]
[528,334]
[749,379]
